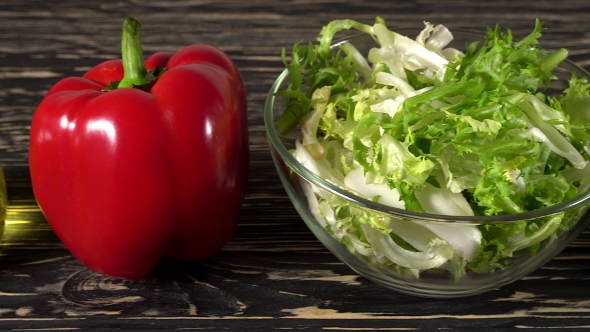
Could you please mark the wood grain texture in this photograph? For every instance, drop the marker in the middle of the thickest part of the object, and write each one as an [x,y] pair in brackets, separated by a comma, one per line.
[273,274]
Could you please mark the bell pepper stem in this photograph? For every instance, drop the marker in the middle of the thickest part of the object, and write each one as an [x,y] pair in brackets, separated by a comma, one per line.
[135,73]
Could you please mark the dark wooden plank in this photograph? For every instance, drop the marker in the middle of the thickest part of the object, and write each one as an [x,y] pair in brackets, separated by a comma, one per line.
[273,274]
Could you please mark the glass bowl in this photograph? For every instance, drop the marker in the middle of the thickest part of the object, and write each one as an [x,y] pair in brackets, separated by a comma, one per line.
[301,185]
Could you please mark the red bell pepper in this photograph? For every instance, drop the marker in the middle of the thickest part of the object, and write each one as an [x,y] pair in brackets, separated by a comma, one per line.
[137,160]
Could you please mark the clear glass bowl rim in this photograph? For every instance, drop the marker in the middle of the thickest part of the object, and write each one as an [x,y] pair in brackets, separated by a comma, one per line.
[297,167]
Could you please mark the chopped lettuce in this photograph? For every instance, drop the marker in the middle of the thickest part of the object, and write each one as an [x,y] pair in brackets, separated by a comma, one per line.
[417,125]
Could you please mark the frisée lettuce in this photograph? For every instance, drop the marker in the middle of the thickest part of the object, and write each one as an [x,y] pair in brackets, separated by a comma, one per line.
[417,125]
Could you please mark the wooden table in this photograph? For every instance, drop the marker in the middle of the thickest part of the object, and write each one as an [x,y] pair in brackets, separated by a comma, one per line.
[273,274]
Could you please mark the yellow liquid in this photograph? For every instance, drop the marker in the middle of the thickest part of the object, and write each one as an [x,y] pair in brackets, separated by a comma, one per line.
[3,201]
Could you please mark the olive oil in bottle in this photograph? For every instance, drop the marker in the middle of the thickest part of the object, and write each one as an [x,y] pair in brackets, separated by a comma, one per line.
[3,201]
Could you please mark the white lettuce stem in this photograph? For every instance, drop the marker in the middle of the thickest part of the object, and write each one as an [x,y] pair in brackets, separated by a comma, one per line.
[559,144]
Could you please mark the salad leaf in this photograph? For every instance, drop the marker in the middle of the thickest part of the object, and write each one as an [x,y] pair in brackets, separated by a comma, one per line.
[415,124]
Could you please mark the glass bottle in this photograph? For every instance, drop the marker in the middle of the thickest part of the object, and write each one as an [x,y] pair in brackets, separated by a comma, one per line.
[3,201]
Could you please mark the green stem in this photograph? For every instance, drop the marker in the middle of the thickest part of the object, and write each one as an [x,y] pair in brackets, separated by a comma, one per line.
[552,60]
[541,234]
[133,62]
